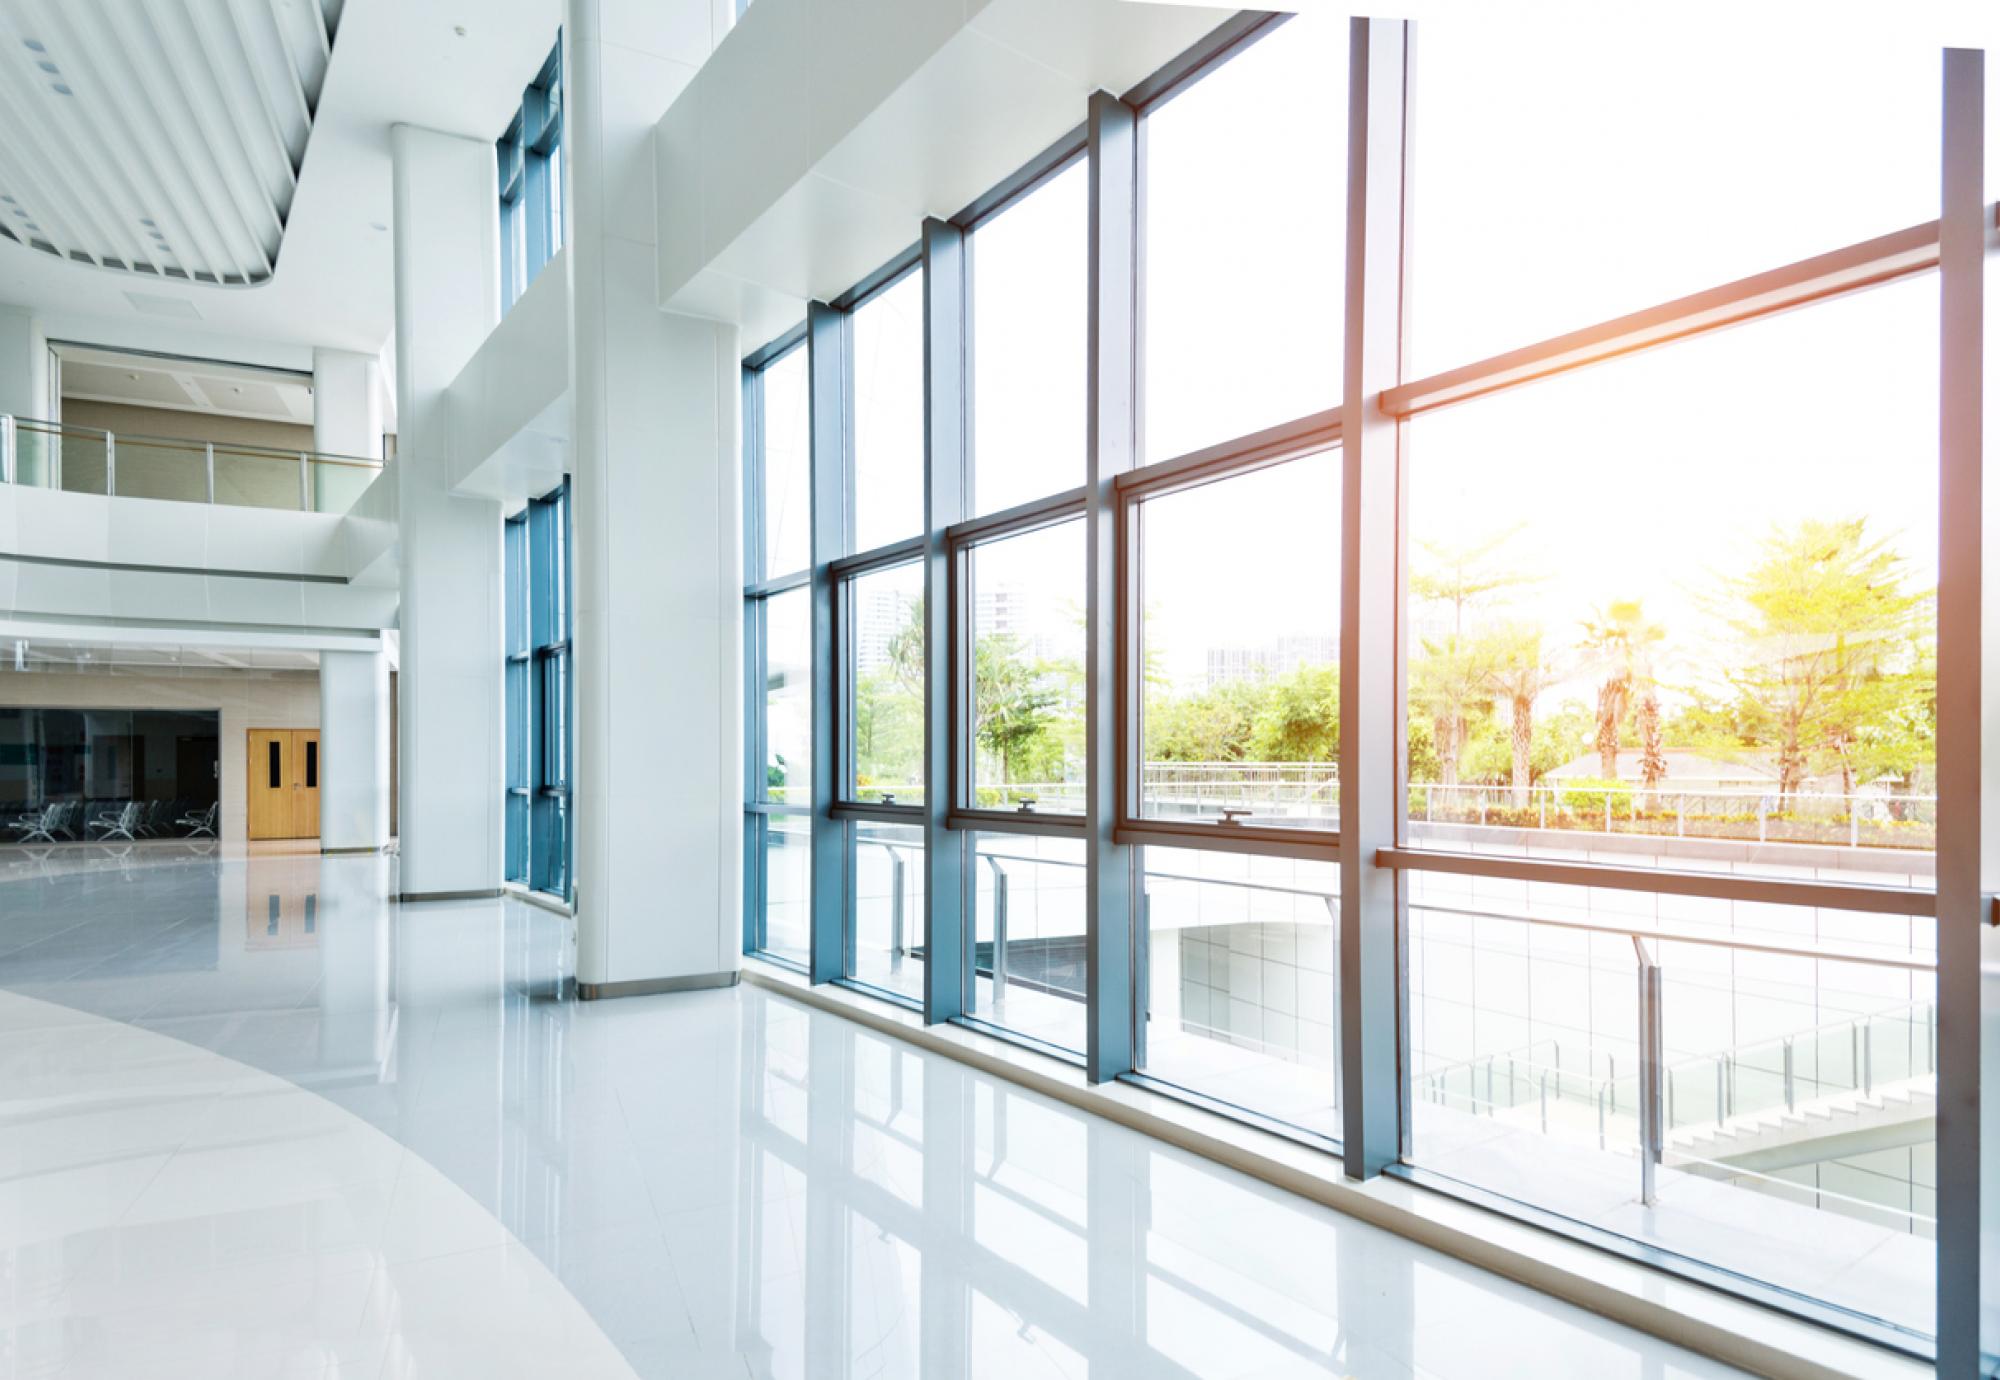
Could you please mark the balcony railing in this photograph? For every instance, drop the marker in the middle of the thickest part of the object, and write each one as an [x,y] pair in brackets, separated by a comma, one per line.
[80,459]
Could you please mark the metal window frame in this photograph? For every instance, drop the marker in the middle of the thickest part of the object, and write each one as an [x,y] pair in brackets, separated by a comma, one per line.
[1371,846]
[1299,439]
[530,227]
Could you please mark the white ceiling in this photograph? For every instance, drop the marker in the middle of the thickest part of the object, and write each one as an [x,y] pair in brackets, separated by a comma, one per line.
[186,385]
[394,61]
[29,655]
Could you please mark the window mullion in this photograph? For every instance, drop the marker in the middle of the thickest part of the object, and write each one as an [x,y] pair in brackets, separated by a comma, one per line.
[948,920]
[1372,1008]
[1111,957]
[826,369]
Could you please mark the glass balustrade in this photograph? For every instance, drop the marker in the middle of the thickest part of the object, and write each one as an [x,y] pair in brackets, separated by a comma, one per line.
[85,460]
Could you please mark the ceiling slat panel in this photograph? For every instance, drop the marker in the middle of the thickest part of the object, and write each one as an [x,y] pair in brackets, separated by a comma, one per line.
[111,167]
[160,137]
[104,81]
[230,188]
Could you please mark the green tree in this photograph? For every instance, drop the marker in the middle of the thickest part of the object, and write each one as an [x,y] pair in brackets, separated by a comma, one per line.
[1212,725]
[1517,672]
[1448,685]
[1621,641]
[1460,575]
[1011,703]
[1829,649]
[1297,717]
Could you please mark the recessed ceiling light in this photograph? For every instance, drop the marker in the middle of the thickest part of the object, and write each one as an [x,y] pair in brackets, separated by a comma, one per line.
[48,67]
[35,45]
[61,90]
[148,222]
[235,388]
[133,377]
[376,225]
[458,29]
[32,226]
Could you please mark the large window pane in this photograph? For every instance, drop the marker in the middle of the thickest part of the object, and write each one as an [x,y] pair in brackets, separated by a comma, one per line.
[787,862]
[1554,188]
[889,414]
[1798,1098]
[1677,610]
[1253,156]
[788,698]
[1028,936]
[886,663]
[1029,321]
[1242,982]
[1027,689]
[1240,587]
[787,467]
[885,880]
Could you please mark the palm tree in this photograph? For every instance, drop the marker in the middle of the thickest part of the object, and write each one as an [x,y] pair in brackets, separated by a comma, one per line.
[1517,675]
[1450,683]
[1622,641]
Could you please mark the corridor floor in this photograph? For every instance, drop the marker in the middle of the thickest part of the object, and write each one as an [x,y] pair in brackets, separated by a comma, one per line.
[257,1121]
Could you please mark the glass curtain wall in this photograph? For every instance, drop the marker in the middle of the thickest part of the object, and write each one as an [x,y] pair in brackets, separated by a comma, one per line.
[529,158]
[72,775]
[1532,792]
[540,695]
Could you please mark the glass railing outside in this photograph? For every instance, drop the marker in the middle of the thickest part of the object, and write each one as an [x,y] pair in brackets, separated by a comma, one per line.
[51,455]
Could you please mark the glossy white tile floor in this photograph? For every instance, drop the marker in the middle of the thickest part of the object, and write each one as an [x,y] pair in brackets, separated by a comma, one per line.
[256,1122]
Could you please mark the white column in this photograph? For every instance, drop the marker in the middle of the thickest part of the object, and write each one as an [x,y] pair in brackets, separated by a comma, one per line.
[447,302]
[24,364]
[347,403]
[655,401]
[353,751]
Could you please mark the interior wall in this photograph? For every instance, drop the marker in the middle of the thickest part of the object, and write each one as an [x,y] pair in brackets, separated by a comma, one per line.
[128,419]
[243,701]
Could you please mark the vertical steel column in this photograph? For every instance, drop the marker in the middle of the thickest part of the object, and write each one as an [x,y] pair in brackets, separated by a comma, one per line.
[1111,419]
[305,483]
[947,483]
[110,465]
[208,470]
[8,441]
[826,367]
[1968,759]
[1373,907]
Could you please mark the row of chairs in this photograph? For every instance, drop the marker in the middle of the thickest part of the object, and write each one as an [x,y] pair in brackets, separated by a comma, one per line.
[131,819]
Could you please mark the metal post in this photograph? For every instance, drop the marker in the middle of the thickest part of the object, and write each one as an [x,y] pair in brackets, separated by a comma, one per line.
[999,929]
[1545,1101]
[110,465]
[208,471]
[1791,1084]
[1721,1105]
[1868,1061]
[1652,1130]
[1681,818]
[7,443]
[1111,425]
[1374,515]
[948,980]
[305,482]
[897,869]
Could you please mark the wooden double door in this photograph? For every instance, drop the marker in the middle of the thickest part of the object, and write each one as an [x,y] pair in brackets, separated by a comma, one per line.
[284,783]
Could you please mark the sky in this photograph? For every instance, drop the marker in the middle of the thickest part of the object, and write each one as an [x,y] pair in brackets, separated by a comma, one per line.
[1570,163]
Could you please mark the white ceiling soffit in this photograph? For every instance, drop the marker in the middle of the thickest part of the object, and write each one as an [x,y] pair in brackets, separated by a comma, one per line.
[186,385]
[808,150]
[159,137]
[69,654]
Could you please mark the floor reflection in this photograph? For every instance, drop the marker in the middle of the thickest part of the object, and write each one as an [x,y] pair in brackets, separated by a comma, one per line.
[734,1185]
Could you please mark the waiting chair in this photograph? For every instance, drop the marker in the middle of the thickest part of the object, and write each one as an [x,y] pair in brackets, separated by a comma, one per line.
[199,823]
[121,825]
[40,825]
